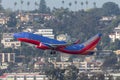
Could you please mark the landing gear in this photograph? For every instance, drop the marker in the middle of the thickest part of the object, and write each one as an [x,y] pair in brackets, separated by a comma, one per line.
[53,52]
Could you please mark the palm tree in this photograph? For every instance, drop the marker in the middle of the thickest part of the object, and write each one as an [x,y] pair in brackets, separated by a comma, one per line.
[71,73]
[36,4]
[21,4]
[28,3]
[0,2]
[15,3]
[63,3]
[82,5]
[86,4]
[94,3]
[75,3]
[70,4]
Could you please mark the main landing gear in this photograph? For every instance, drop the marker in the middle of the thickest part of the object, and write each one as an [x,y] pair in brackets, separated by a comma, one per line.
[53,52]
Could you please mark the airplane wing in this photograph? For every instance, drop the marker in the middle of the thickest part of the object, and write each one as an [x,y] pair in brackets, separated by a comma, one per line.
[59,45]
[62,45]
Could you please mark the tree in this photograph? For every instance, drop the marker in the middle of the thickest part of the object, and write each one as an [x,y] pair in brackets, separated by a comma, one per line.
[94,4]
[82,4]
[101,76]
[1,7]
[36,4]
[86,4]
[97,76]
[71,73]
[115,45]
[82,76]
[118,78]
[28,3]
[110,8]
[42,7]
[70,4]
[110,61]
[12,20]
[1,46]
[15,3]
[105,42]
[54,73]
[75,3]
[110,77]
[21,4]
[63,2]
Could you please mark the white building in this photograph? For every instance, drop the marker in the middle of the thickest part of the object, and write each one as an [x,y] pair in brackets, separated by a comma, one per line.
[108,18]
[3,19]
[8,41]
[82,66]
[116,34]
[7,57]
[45,32]
[23,76]
[64,57]
[63,37]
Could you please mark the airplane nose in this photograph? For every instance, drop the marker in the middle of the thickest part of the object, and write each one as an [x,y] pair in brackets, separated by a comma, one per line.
[15,35]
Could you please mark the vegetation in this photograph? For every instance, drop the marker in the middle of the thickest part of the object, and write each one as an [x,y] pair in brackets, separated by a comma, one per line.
[80,24]
[110,8]
[12,20]
[43,7]
[71,73]
[77,24]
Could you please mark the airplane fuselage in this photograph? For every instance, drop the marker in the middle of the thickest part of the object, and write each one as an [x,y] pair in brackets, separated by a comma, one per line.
[45,43]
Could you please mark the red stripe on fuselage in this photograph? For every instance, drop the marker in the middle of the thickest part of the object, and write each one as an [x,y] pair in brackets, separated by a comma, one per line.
[39,44]
[29,41]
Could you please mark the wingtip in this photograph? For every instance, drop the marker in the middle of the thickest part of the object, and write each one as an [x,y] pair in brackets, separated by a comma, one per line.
[99,34]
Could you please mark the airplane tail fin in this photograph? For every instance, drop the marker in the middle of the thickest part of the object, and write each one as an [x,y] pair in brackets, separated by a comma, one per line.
[95,39]
[91,44]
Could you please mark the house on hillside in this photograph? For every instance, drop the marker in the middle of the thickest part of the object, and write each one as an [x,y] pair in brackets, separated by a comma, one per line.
[9,42]
[116,34]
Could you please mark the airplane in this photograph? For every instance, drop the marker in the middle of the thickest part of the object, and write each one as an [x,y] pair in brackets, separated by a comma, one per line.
[45,43]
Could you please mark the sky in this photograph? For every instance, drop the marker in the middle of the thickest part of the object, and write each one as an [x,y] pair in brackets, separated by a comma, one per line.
[54,3]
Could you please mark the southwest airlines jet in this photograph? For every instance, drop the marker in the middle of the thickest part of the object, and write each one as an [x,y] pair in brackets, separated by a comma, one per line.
[45,43]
